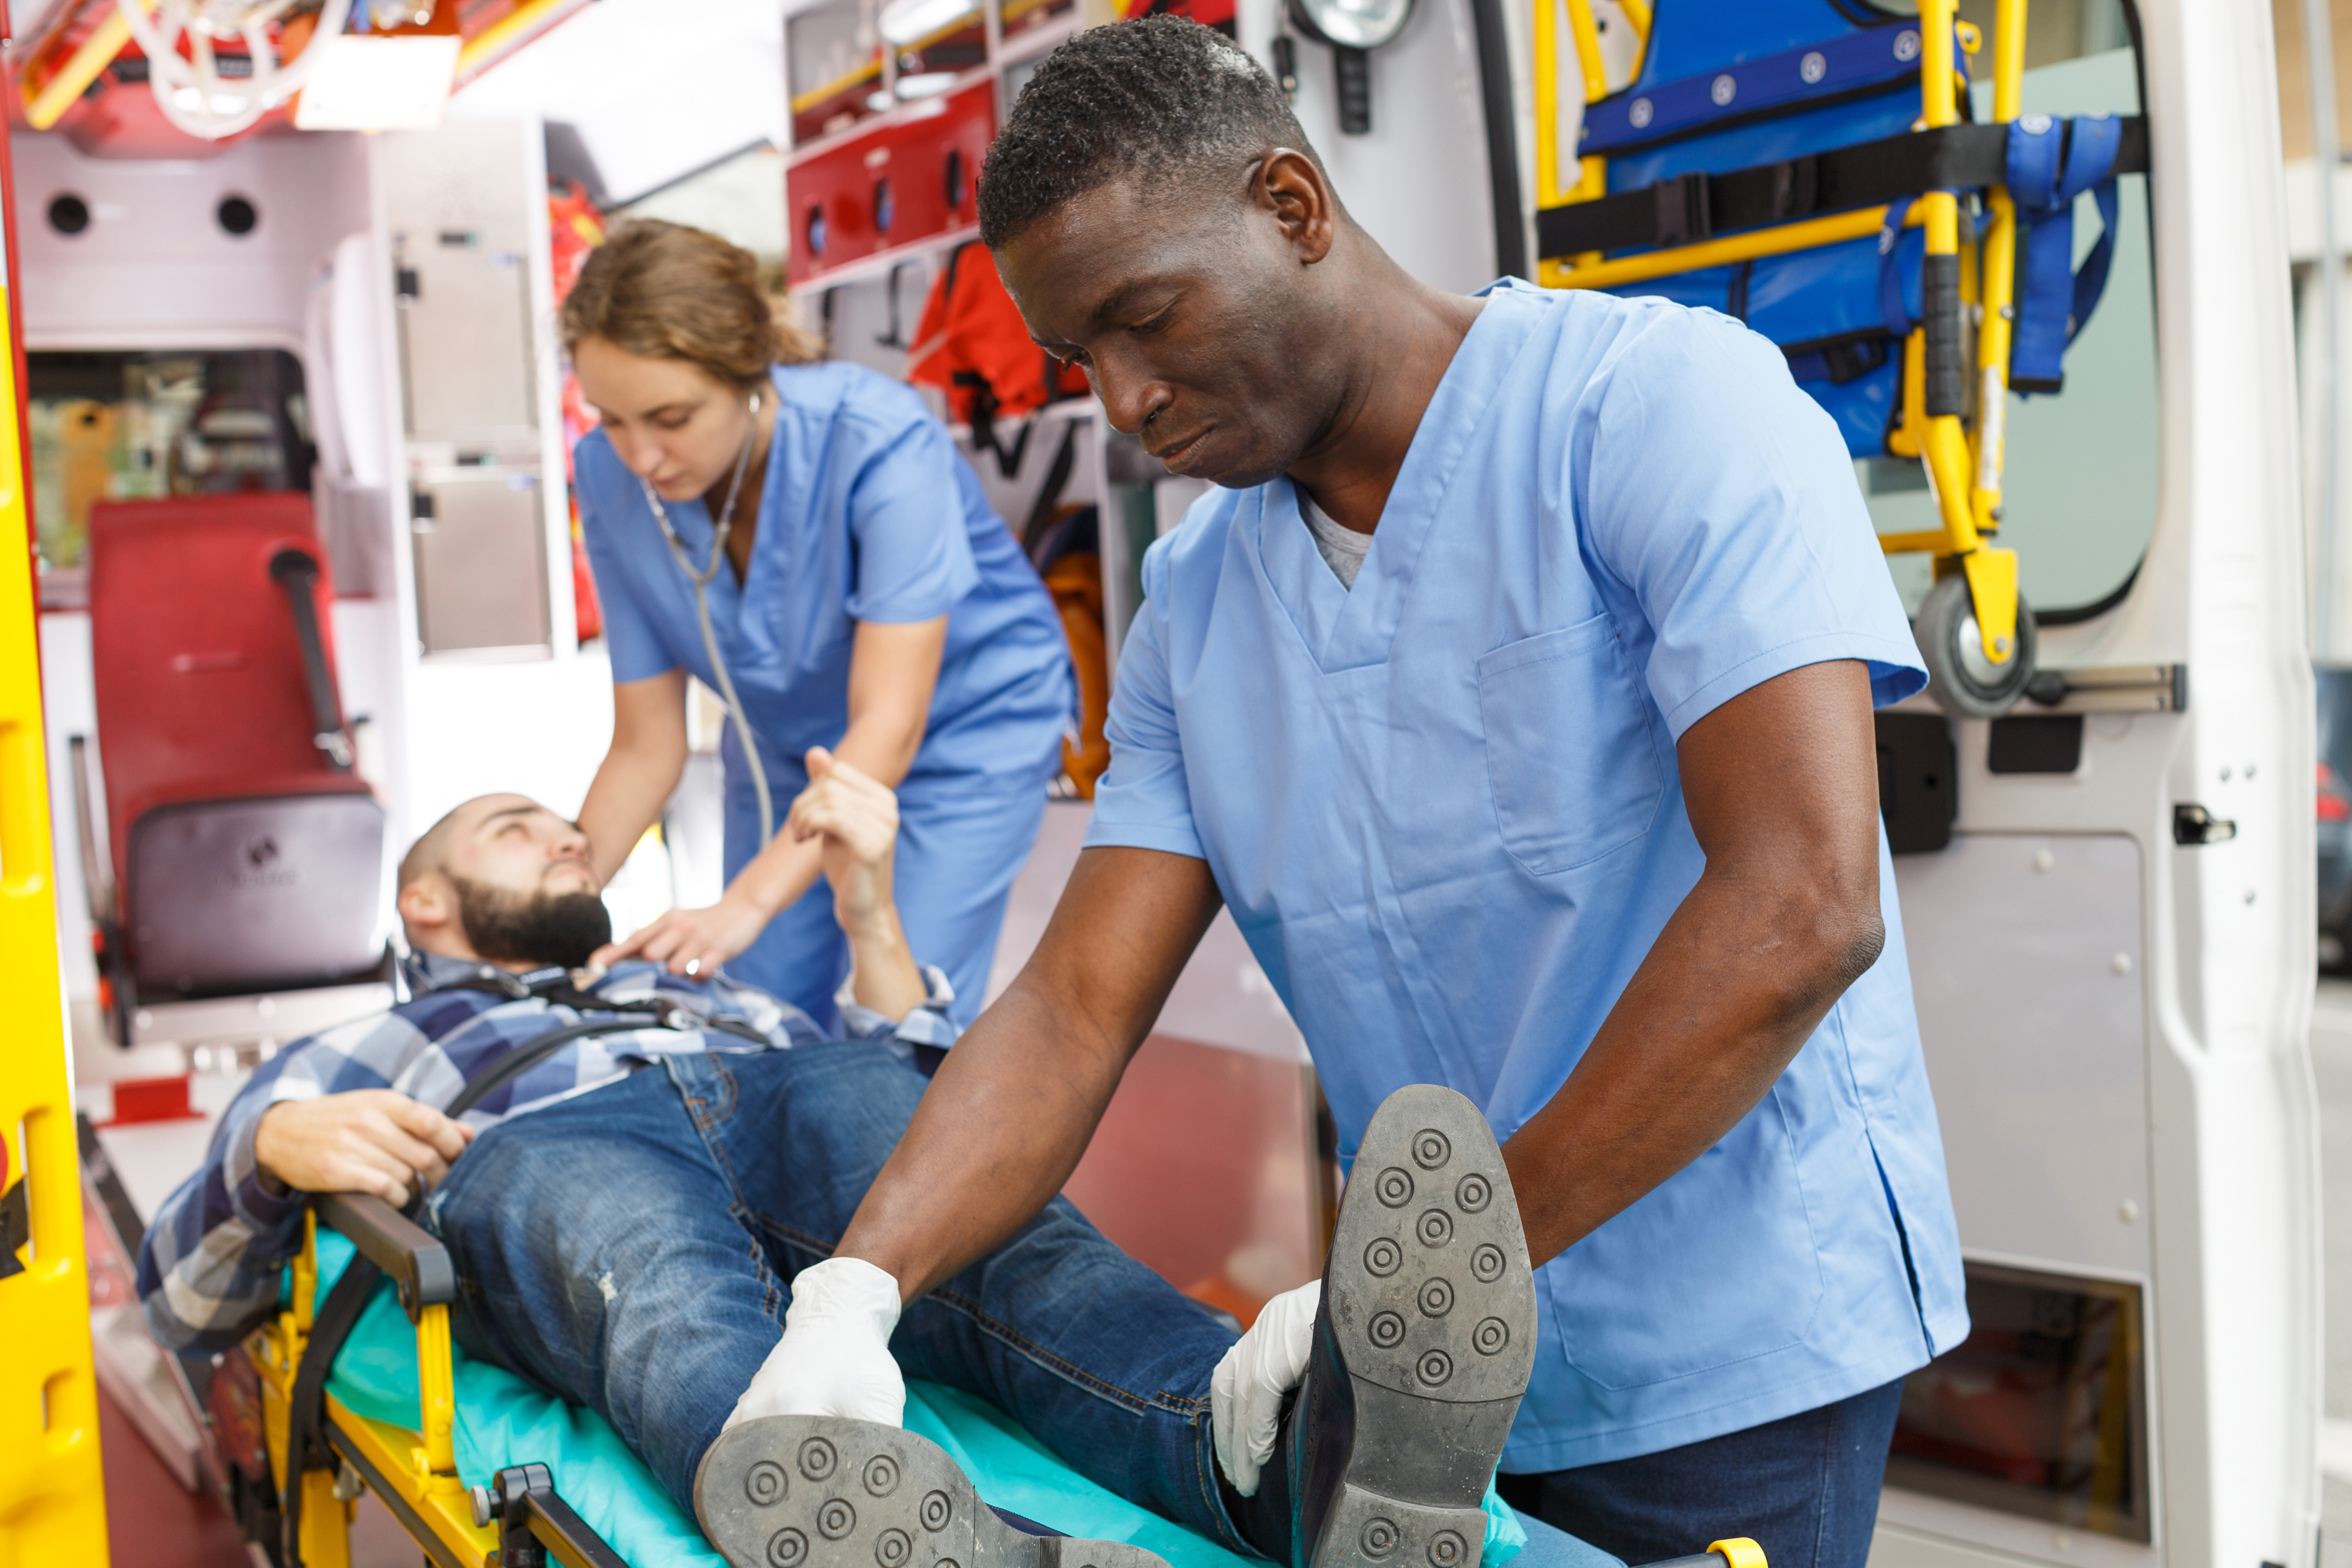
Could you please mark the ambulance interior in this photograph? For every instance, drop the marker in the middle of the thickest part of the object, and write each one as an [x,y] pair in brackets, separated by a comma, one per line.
[332,319]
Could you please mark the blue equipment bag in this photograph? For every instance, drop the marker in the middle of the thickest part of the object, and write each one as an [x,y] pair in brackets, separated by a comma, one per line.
[1749,114]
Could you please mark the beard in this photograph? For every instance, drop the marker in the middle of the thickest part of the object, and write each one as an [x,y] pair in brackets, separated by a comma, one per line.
[540,928]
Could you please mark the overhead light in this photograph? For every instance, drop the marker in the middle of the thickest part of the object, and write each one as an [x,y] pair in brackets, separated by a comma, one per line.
[904,22]
[1351,27]
[364,83]
[1351,24]
[927,84]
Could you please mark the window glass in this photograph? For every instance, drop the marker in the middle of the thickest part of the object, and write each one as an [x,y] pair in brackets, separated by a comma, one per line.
[2079,486]
[127,426]
[2040,1411]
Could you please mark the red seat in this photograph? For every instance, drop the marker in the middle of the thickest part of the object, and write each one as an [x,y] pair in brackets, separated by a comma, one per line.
[247,855]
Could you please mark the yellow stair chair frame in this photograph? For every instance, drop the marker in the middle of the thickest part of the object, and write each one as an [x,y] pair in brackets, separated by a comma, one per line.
[1962,459]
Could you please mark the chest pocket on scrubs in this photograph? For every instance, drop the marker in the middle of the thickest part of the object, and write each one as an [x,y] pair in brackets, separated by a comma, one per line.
[1568,757]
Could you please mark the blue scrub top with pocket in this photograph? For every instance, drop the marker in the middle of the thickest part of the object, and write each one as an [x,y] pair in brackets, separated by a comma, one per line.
[868,514]
[1444,810]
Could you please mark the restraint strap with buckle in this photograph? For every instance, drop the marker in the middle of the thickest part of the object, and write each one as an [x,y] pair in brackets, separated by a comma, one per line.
[1700,205]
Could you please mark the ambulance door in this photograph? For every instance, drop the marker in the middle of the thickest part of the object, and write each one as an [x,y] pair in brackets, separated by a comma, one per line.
[2113,952]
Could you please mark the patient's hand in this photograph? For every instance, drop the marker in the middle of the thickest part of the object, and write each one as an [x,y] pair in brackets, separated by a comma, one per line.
[856,816]
[363,1140]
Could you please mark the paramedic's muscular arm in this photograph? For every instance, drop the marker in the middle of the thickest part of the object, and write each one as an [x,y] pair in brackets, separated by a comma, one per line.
[893,671]
[1781,787]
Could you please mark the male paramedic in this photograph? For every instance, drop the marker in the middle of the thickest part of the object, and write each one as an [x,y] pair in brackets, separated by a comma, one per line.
[630,1218]
[1515,696]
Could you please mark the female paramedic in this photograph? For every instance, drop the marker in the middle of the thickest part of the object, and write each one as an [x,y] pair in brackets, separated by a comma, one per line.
[803,538]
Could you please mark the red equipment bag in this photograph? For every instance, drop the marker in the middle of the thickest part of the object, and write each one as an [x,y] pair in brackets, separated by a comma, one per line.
[247,855]
[973,344]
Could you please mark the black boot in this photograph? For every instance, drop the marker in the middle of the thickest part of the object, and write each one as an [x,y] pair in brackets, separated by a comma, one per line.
[1423,1345]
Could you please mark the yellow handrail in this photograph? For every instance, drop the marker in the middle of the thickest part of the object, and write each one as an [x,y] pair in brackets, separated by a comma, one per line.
[510,31]
[870,71]
[71,80]
[1731,248]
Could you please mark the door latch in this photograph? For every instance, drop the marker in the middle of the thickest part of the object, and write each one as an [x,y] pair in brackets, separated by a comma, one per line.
[2193,824]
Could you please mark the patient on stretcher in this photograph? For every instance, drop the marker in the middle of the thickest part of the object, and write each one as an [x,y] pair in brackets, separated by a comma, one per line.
[627,1216]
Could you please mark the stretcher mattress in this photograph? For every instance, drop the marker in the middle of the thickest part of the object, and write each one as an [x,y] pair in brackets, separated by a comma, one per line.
[503,1421]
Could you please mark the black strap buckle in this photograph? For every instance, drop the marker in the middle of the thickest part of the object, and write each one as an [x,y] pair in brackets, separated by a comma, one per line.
[1683,211]
[1796,188]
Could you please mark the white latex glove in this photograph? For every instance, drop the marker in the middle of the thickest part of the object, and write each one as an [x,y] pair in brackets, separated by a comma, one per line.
[834,1358]
[1246,1392]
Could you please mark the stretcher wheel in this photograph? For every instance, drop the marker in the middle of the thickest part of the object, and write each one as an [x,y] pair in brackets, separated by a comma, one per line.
[1961,680]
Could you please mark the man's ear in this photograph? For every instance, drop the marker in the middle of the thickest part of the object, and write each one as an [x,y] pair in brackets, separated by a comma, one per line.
[1288,184]
[428,906]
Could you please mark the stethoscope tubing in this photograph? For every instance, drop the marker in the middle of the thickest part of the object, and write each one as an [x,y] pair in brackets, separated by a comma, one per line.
[702,581]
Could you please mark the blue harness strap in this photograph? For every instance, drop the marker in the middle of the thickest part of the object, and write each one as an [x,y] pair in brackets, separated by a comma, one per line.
[2050,162]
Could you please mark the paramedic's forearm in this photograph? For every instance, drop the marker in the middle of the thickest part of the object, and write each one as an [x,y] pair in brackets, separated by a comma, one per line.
[782,873]
[778,875]
[1781,787]
[1012,1110]
[641,770]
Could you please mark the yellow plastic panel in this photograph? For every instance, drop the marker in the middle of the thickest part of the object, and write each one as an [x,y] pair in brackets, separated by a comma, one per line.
[52,1486]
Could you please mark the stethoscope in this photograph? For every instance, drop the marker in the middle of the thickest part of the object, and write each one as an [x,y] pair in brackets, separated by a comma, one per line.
[701,581]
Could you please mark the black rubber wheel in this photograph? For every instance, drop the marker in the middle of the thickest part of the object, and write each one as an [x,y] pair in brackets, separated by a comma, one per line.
[1961,680]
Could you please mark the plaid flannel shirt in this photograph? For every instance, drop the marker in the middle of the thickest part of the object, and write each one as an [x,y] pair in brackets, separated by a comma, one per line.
[209,1270]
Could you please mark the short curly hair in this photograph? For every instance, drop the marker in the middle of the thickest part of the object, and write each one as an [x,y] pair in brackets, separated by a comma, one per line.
[1161,97]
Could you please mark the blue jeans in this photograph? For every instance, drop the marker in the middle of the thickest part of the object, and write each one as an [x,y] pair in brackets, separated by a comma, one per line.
[632,1250]
[1805,1487]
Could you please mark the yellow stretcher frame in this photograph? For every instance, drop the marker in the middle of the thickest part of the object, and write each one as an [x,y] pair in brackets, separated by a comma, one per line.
[1962,460]
[416,1473]
[413,1472]
[421,1467]
[52,1484]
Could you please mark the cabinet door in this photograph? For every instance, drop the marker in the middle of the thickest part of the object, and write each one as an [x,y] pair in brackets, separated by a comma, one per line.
[481,563]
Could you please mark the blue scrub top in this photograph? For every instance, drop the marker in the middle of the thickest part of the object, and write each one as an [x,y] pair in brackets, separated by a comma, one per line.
[1444,810]
[868,514]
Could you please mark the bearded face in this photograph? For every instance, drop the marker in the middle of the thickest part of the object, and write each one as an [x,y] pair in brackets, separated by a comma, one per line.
[543,928]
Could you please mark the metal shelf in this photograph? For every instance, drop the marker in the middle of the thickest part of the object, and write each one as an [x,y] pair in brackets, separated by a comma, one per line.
[881,263]
[905,113]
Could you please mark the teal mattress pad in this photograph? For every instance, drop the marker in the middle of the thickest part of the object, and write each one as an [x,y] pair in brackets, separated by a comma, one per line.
[503,1421]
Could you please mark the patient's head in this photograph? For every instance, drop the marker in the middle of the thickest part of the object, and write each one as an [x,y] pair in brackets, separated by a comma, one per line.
[505,880]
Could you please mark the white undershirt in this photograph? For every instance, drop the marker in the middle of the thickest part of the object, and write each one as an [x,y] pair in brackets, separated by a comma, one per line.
[1341,546]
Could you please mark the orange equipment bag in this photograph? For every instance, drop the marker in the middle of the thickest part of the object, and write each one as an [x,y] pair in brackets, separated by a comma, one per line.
[972,345]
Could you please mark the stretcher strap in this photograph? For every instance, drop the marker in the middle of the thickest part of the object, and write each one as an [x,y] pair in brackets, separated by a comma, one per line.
[1697,207]
[297,571]
[2050,162]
